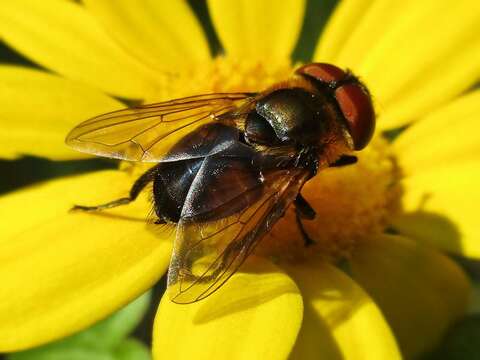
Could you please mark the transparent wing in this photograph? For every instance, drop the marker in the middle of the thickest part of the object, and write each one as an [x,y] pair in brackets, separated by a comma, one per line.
[148,132]
[206,254]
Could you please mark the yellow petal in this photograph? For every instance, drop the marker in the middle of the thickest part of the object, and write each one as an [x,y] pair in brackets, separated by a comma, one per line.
[255,315]
[420,291]
[163,34]
[261,29]
[440,84]
[450,135]
[62,36]
[62,271]
[350,25]
[339,317]
[408,68]
[440,208]
[38,109]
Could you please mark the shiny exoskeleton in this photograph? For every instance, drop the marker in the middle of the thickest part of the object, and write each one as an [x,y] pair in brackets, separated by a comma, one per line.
[241,160]
[294,118]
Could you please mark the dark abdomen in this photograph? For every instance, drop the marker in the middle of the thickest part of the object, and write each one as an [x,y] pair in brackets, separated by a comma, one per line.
[222,181]
[171,185]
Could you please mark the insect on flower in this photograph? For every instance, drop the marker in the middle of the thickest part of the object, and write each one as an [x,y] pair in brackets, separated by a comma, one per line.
[229,164]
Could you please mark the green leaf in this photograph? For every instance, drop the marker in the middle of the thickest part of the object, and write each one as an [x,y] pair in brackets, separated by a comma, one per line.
[108,333]
[132,349]
[129,349]
[462,341]
[474,306]
[62,354]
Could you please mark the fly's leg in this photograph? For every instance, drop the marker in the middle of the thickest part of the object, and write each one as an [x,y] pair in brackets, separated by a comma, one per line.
[303,210]
[345,160]
[137,187]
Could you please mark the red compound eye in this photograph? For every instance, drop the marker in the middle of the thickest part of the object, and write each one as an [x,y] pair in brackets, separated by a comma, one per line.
[353,100]
[356,106]
[323,72]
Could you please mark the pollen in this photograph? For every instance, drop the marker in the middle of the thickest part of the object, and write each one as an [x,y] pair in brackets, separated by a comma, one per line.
[223,74]
[352,203]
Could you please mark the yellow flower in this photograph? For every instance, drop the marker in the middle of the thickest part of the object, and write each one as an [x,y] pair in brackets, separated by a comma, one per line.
[374,279]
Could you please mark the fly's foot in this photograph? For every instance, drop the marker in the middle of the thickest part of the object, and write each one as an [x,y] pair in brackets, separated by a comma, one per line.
[345,160]
[109,205]
[303,210]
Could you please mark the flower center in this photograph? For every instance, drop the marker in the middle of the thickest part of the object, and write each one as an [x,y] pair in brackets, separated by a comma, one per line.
[222,75]
[351,203]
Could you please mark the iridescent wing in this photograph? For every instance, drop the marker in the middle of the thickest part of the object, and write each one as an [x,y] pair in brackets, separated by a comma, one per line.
[208,252]
[148,132]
